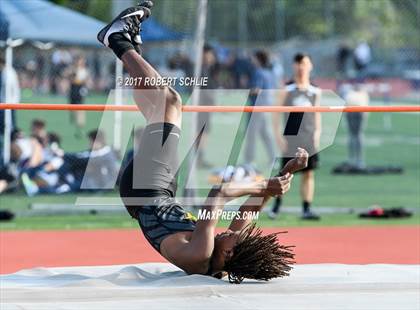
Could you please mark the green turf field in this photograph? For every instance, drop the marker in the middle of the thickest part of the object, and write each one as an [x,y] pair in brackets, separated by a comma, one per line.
[400,146]
[121,221]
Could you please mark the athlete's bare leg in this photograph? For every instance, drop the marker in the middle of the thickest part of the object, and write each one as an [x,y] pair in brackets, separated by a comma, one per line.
[157,103]
[307,186]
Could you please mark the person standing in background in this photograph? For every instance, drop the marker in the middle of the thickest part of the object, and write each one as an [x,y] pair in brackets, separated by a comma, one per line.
[13,97]
[173,70]
[356,96]
[241,69]
[302,130]
[79,77]
[209,69]
[40,64]
[61,60]
[362,57]
[262,86]
[278,71]
[344,53]
[97,73]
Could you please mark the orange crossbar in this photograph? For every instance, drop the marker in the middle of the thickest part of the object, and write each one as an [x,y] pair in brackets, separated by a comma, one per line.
[204,108]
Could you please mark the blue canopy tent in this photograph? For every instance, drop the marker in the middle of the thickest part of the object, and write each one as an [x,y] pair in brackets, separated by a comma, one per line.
[40,20]
[152,31]
[4,27]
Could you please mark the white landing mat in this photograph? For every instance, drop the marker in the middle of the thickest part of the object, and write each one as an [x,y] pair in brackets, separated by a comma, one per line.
[163,286]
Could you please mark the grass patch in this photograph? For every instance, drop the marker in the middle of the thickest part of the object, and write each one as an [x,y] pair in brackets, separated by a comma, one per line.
[86,222]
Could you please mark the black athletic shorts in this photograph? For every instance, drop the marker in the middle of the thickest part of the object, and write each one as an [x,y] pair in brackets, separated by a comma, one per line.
[148,185]
[312,162]
[76,94]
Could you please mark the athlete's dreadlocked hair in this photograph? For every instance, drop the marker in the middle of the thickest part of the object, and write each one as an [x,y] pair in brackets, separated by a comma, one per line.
[258,257]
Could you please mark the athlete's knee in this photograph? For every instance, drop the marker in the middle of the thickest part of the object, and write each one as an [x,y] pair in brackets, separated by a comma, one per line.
[173,98]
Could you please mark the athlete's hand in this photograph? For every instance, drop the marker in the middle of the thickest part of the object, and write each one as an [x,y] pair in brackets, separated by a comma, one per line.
[298,163]
[278,186]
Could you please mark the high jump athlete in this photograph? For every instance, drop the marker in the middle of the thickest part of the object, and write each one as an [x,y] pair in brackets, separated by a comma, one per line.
[148,184]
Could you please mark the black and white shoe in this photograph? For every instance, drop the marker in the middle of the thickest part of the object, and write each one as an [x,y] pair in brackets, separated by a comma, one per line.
[128,22]
[272,215]
[309,215]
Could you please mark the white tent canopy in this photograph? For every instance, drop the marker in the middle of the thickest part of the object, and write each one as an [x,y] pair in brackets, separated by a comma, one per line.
[40,20]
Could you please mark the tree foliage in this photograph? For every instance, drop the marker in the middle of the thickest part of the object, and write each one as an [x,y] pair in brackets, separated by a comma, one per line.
[394,23]
[100,9]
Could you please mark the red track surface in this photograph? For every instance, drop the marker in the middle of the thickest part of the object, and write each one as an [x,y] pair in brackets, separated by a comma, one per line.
[348,245]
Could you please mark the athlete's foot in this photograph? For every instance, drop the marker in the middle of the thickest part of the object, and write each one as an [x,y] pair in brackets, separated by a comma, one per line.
[30,186]
[309,215]
[123,33]
[272,215]
[136,38]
